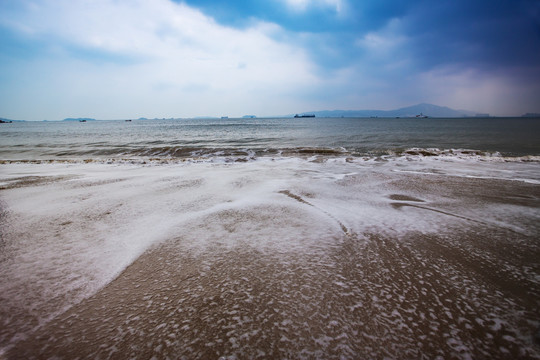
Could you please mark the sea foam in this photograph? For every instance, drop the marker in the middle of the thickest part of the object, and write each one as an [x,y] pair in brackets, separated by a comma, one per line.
[71,229]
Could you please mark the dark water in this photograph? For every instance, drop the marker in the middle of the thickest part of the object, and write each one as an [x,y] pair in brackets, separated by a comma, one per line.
[258,137]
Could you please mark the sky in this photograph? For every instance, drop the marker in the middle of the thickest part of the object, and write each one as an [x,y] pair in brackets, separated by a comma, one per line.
[117,59]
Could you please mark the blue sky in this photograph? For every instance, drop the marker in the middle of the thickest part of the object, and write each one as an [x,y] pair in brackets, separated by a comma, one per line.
[113,59]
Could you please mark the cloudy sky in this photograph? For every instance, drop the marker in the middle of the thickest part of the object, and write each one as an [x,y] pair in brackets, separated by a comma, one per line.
[113,59]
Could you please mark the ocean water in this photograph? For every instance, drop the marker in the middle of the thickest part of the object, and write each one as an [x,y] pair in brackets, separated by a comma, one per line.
[270,238]
[173,139]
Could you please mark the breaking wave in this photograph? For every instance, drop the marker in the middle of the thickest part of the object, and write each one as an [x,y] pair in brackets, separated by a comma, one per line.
[179,154]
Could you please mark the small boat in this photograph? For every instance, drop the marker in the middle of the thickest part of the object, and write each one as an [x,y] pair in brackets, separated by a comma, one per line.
[82,120]
[421,116]
[128,120]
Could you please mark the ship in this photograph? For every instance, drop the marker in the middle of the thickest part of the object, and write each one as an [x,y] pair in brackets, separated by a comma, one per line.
[421,116]
[304,116]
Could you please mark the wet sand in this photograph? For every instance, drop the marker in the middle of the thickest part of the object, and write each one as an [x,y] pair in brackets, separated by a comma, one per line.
[470,291]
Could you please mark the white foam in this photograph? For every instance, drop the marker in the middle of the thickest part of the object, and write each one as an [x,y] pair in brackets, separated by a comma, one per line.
[71,235]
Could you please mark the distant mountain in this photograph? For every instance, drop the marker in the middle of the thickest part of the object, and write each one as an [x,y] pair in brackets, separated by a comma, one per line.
[433,111]
[410,111]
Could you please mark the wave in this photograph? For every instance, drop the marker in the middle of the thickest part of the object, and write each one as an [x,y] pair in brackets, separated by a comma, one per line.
[179,154]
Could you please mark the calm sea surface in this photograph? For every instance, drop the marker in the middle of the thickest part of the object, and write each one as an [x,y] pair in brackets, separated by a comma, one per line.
[182,138]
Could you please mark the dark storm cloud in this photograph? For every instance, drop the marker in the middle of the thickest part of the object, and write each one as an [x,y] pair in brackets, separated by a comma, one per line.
[465,32]
[475,33]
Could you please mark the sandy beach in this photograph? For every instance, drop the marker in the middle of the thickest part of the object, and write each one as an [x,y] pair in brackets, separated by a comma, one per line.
[449,270]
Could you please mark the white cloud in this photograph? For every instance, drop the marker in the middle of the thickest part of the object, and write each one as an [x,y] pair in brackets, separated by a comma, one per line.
[386,40]
[302,5]
[173,52]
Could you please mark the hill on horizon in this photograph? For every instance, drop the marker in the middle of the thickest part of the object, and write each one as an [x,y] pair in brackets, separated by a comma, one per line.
[409,111]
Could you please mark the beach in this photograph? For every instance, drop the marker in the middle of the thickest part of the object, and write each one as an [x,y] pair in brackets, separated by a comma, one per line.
[292,179]
[315,257]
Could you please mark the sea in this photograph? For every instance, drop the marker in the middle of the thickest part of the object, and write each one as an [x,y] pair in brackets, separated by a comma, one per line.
[309,238]
[253,138]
